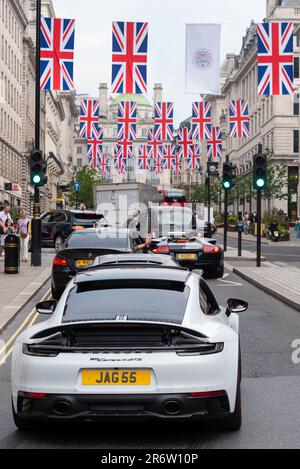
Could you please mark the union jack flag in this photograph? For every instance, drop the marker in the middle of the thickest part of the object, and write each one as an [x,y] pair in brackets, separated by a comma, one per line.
[129,58]
[95,146]
[120,164]
[154,145]
[127,121]
[239,119]
[177,165]
[89,118]
[185,142]
[104,165]
[57,54]
[125,149]
[214,145]
[275,59]
[169,154]
[158,165]
[201,120]
[194,162]
[144,161]
[163,121]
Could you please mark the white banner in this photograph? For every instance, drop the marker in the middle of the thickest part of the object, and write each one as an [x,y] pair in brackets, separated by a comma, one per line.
[203,58]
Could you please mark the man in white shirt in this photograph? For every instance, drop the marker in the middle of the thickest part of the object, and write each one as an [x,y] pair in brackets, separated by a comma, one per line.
[4,216]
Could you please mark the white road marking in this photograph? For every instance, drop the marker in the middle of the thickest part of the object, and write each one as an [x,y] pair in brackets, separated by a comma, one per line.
[228,283]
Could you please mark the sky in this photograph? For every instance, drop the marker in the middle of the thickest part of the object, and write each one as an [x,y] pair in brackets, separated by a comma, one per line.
[166,52]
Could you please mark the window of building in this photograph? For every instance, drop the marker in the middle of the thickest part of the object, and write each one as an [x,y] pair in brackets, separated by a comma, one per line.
[296,68]
[296,109]
[79,163]
[79,150]
[296,141]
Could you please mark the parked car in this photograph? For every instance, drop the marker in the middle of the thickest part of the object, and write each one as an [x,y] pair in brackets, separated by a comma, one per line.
[59,224]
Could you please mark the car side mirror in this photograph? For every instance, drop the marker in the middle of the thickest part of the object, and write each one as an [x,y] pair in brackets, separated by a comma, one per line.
[236,306]
[46,307]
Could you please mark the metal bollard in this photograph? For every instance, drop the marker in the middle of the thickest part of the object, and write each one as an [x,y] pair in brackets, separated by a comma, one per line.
[12,254]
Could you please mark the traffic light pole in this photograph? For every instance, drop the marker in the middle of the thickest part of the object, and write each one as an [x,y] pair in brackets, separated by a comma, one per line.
[225,220]
[258,258]
[36,250]
[209,233]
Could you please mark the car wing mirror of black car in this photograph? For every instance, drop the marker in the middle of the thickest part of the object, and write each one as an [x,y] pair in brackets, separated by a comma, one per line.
[236,306]
[46,307]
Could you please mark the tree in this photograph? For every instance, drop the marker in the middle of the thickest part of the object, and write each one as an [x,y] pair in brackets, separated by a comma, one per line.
[88,178]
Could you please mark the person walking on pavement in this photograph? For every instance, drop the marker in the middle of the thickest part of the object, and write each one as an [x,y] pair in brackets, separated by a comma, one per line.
[24,231]
[297,228]
[4,217]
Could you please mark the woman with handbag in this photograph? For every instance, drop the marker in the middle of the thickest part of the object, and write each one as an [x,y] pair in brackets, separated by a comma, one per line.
[24,231]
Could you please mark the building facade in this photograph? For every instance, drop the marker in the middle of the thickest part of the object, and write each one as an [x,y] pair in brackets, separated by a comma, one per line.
[274,120]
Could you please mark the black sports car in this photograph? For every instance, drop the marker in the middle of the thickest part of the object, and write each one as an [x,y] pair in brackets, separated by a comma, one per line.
[193,253]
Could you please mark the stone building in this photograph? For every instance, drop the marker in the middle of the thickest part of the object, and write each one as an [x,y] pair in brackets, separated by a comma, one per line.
[109,122]
[13,24]
[274,120]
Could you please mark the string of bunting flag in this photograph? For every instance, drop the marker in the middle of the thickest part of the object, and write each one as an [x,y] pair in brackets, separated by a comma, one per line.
[164,150]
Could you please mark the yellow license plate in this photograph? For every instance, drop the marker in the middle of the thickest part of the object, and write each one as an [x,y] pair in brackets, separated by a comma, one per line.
[84,263]
[116,377]
[189,257]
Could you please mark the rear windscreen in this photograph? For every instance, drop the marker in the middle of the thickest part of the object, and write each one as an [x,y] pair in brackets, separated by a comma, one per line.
[87,216]
[94,240]
[137,300]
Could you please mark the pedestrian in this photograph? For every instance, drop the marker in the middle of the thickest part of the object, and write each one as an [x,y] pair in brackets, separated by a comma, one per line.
[24,231]
[4,216]
[297,228]
[246,223]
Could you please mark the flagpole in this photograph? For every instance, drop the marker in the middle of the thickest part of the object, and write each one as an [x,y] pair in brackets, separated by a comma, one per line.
[36,250]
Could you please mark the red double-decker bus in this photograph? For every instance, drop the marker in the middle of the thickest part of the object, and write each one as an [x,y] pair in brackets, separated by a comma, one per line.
[171,197]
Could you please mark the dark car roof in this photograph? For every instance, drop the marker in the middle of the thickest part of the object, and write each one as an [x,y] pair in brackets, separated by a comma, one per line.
[132,273]
[90,238]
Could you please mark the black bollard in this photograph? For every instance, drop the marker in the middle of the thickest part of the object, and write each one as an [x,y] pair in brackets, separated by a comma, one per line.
[12,254]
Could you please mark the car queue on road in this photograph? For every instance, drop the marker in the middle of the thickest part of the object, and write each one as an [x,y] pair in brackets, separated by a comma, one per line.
[134,331]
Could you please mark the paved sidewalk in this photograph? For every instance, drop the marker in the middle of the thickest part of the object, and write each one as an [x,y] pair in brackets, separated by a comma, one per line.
[294,242]
[17,290]
[281,282]
[232,255]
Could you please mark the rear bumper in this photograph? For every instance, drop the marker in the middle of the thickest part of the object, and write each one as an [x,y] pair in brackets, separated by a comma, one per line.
[88,408]
[202,262]
[60,278]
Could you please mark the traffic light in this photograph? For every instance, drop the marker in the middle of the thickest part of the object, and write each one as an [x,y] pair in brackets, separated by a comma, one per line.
[228,176]
[38,169]
[260,171]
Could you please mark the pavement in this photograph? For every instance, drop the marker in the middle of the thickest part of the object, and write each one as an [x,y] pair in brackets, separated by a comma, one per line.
[294,241]
[17,290]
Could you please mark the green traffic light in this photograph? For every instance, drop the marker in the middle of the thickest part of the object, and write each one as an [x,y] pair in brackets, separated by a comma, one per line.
[226,185]
[260,183]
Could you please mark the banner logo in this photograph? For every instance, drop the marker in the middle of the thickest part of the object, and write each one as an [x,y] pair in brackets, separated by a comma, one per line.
[203,59]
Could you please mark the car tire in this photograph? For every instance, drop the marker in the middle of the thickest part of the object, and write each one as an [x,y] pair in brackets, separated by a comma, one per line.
[214,273]
[22,424]
[56,293]
[58,243]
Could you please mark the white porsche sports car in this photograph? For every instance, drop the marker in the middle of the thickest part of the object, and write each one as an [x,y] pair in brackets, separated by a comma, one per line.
[130,343]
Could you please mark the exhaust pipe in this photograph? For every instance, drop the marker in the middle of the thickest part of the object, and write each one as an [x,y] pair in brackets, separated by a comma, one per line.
[62,408]
[172,408]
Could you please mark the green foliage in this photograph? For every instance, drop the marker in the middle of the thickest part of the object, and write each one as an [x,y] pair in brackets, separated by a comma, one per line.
[232,220]
[88,178]
[199,192]
[279,217]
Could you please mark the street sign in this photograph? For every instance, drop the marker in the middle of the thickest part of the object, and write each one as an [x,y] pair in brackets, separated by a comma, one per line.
[76,187]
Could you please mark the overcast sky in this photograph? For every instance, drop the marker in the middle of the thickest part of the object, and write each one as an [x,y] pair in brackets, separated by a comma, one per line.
[167,19]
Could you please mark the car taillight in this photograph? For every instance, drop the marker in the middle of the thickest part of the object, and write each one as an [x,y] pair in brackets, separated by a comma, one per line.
[60,261]
[35,395]
[208,394]
[161,250]
[78,228]
[211,249]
